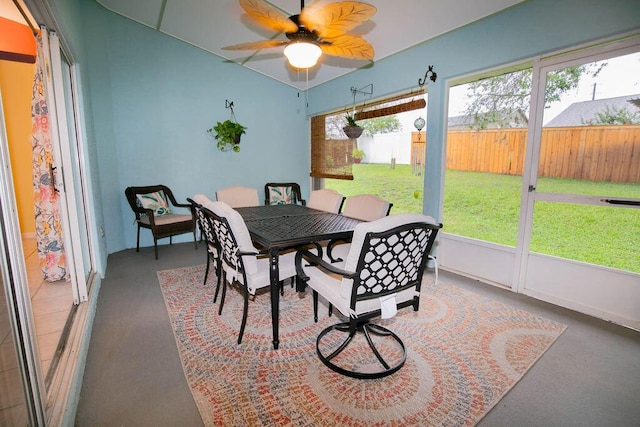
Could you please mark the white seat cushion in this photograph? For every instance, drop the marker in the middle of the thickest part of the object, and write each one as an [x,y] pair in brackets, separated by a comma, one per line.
[238,197]
[261,277]
[167,219]
[325,200]
[366,207]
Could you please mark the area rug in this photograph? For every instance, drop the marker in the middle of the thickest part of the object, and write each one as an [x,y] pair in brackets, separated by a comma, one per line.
[465,352]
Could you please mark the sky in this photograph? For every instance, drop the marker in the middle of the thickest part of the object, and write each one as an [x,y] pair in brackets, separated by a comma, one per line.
[620,77]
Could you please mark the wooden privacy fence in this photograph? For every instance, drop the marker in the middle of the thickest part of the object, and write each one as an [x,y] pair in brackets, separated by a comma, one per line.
[593,153]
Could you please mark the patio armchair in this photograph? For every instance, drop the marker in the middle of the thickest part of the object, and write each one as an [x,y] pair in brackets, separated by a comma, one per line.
[382,274]
[153,206]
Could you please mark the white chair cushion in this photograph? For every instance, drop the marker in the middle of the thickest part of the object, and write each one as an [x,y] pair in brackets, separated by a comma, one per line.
[238,197]
[202,199]
[325,200]
[366,207]
[239,230]
[167,219]
[330,287]
[261,277]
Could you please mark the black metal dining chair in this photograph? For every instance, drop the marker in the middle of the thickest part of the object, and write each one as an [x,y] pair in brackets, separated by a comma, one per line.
[242,263]
[283,193]
[382,273]
[208,231]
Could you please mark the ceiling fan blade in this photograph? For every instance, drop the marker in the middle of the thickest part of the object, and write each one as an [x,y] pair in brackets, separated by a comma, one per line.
[347,46]
[261,44]
[334,19]
[268,16]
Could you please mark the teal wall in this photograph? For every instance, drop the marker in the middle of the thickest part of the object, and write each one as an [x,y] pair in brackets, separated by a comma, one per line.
[521,32]
[150,98]
[153,99]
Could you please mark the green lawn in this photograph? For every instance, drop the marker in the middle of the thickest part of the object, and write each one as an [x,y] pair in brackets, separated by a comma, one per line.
[487,206]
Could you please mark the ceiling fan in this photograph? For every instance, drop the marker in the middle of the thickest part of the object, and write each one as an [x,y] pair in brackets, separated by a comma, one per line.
[317,29]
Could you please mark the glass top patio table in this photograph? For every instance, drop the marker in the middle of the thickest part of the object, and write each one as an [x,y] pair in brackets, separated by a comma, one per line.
[280,227]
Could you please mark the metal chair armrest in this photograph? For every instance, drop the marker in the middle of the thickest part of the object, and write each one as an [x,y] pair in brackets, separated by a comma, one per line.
[317,261]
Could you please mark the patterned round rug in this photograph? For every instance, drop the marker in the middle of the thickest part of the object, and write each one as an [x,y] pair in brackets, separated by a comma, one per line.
[464,352]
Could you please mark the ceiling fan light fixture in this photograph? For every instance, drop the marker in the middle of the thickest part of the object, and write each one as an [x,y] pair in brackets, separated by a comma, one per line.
[302,54]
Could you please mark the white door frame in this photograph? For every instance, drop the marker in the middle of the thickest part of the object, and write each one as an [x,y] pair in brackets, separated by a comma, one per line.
[17,288]
[64,171]
[572,284]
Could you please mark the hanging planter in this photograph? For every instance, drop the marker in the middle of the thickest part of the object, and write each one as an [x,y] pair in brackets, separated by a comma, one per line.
[352,130]
[228,133]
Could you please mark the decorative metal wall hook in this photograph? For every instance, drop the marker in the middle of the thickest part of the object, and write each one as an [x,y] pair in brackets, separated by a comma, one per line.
[433,76]
[365,90]
[362,90]
[229,105]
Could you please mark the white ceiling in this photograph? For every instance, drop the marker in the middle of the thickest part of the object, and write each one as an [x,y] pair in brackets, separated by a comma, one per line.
[212,24]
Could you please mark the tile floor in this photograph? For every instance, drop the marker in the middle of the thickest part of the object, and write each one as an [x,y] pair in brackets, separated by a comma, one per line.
[51,303]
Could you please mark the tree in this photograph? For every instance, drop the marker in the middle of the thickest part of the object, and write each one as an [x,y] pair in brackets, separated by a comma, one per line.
[506,94]
[384,124]
[615,116]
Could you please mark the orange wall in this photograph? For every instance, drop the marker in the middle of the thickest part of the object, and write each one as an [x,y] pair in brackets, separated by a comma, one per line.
[16,79]
[17,42]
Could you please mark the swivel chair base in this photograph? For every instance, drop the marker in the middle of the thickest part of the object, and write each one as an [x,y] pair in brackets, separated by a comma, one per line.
[388,364]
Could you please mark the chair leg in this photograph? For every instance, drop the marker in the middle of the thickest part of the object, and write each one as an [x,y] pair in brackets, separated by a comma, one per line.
[155,245]
[224,292]
[195,239]
[206,271]
[315,306]
[219,275]
[138,241]
[245,291]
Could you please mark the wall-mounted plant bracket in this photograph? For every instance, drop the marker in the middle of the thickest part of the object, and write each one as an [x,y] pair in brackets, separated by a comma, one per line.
[362,90]
[433,76]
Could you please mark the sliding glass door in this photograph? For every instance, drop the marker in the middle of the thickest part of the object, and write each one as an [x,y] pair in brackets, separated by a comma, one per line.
[21,379]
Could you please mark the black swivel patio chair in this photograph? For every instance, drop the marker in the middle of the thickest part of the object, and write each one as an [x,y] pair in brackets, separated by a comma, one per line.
[382,273]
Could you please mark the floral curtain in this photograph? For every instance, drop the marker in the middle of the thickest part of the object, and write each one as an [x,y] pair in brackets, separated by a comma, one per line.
[47,214]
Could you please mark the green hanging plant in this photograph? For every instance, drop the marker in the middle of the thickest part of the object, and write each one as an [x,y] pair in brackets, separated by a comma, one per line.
[227,135]
[352,130]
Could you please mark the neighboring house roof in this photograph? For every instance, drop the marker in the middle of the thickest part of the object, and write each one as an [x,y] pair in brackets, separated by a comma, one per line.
[516,119]
[580,113]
